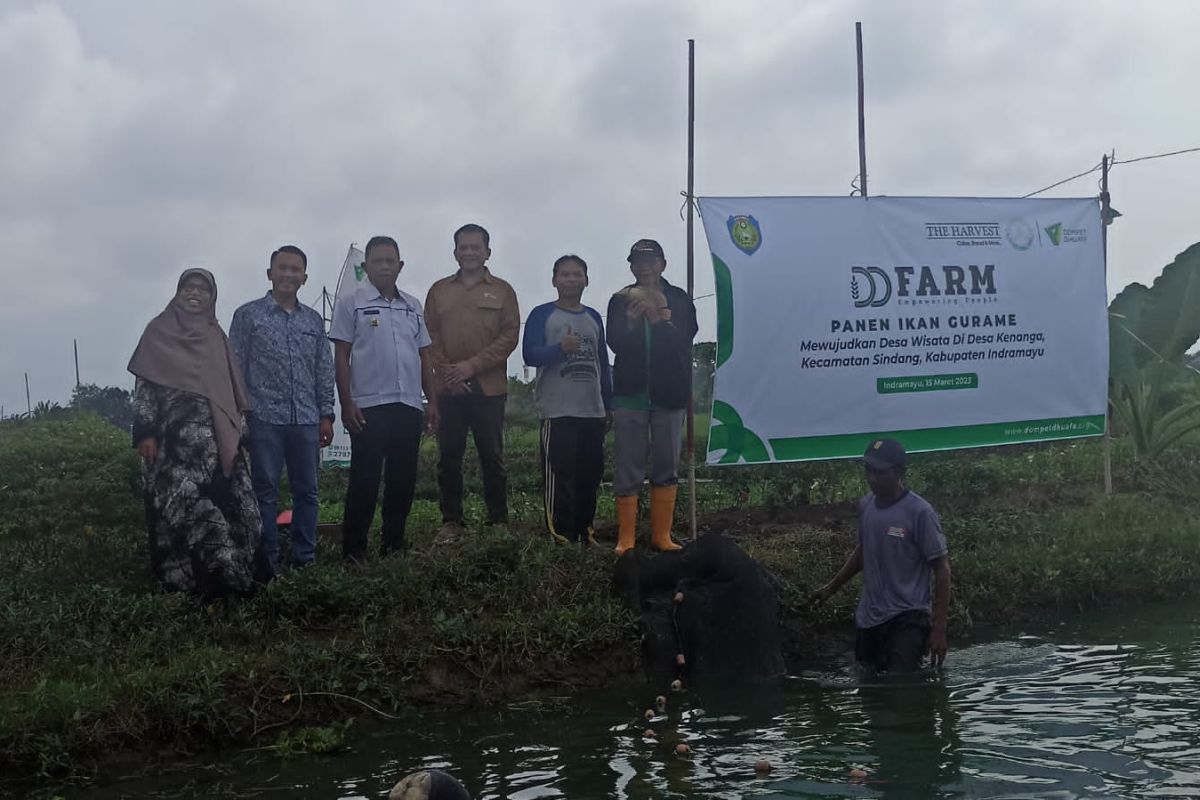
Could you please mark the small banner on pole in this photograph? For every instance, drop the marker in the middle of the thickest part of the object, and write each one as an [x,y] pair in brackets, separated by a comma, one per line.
[942,322]
[352,276]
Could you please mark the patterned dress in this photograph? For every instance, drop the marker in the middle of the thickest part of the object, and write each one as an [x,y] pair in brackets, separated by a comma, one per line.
[205,530]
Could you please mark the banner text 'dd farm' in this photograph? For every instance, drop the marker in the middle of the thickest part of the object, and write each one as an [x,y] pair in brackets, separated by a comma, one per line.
[943,322]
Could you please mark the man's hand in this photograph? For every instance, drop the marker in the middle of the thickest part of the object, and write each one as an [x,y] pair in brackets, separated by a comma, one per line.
[570,342]
[651,312]
[457,374]
[431,420]
[936,648]
[821,595]
[326,434]
[148,449]
[352,417]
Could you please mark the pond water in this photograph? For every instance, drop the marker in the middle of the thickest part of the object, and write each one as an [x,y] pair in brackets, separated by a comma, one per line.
[1098,706]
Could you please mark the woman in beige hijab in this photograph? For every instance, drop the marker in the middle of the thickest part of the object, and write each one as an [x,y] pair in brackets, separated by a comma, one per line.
[189,407]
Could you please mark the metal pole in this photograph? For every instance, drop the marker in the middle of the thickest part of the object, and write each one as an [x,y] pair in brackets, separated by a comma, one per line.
[862,115]
[1104,210]
[75,343]
[28,402]
[691,276]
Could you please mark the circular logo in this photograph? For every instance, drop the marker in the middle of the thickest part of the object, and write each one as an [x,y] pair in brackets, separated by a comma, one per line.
[745,233]
[1020,234]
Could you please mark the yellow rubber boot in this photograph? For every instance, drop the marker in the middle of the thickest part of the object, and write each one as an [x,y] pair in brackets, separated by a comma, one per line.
[662,513]
[626,523]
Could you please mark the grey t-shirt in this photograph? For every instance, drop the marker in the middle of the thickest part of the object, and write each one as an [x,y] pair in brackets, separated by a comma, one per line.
[898,544]
[572,385]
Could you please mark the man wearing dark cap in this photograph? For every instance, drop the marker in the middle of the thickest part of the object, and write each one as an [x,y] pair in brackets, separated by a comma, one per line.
[900,549]
[429,784]
[650,326]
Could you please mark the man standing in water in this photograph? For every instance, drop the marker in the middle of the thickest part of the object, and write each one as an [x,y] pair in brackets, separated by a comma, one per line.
[474,321]
[651,325]
[900,547]
[573,392]
[284,357]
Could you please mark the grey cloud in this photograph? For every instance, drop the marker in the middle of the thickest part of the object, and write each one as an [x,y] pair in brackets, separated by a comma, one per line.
[153,136]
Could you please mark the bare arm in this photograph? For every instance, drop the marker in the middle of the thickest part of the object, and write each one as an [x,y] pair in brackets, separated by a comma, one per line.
[429,386]
[941,606]
[852,567]
[352,417]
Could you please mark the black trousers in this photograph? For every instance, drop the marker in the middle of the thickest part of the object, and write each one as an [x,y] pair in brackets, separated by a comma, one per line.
[387,446]
[897,645]
[572,450]
[484,417]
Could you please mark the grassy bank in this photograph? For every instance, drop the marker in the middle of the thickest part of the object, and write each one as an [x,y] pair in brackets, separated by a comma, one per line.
[95,662]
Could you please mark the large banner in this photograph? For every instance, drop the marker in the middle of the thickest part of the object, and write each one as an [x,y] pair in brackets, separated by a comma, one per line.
[351,277]
[943,322]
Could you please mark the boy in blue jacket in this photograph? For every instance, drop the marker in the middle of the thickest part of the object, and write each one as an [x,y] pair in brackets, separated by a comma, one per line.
[573,392]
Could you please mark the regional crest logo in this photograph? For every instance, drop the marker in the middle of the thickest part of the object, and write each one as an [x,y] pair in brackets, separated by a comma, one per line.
[745,233]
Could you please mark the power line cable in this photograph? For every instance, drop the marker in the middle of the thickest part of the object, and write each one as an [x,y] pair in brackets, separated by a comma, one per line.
[1157,155]
[1064,180]
[1112,163]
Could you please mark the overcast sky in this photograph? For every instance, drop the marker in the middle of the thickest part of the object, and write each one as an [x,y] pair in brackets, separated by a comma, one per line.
[140,138]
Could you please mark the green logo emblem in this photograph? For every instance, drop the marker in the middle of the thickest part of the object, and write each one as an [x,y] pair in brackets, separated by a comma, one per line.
[745,233]
[1055,233]
[360,271]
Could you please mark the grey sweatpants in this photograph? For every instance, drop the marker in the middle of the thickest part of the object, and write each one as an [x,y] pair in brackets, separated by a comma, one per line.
[638,435]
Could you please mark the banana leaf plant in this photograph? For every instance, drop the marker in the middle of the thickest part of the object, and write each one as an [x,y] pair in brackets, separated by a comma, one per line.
[1150,331]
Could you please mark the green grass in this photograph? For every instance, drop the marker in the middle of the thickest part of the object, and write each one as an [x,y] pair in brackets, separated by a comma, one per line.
[95,661]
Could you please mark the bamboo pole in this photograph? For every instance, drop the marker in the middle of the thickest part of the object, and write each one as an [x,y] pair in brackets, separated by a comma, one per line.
[691,277]
[862,114]
[1104,220]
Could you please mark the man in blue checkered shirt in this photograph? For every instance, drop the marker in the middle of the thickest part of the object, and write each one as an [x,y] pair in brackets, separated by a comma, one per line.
[287,364]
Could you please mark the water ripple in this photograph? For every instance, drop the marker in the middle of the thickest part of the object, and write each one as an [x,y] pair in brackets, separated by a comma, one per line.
[1109,709]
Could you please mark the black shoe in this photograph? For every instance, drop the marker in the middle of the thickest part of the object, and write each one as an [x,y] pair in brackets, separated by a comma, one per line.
[451,532]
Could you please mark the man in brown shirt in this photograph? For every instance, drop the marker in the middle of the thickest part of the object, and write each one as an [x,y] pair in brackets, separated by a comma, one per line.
[474,321]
